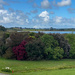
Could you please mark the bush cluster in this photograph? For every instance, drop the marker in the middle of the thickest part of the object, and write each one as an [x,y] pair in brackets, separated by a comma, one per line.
[37,46]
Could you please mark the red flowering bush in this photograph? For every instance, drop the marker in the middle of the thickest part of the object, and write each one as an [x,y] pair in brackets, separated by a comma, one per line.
[19,51]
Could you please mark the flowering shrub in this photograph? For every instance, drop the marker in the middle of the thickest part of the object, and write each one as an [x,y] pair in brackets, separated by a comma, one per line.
[19,51]
[6,69]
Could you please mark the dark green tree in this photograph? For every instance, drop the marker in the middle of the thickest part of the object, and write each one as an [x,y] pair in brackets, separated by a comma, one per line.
[2,28]
[63,43]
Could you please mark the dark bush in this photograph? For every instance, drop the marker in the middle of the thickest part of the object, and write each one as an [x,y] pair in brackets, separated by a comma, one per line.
[2,47]
[63,43]
[5,36]
[35,50]
[16,39]
[71,40]
[9,53]
[2,28]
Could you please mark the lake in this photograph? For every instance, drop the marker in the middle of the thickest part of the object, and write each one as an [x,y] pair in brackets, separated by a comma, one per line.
[61,32]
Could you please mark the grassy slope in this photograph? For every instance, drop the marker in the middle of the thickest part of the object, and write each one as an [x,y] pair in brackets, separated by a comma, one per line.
[37,67]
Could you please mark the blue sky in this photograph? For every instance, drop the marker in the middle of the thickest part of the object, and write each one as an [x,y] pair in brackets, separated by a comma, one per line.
[37,13]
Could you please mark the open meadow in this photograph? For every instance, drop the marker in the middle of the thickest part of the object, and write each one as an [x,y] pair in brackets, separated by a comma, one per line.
[43,67]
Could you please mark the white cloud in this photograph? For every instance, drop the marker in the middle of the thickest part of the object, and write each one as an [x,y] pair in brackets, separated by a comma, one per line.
[35,26]
[44,15]
[20,22]
[45,4]
[64,3]
[18,17]
[12,17]
[27,21]
[58,19]
[3,11]
[7,20]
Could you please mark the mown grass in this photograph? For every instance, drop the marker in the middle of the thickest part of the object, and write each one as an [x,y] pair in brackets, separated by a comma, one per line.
[38,67]
[54,72]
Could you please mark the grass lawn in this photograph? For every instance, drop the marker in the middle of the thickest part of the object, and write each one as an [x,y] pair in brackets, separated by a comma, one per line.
[50,67]
[54,72]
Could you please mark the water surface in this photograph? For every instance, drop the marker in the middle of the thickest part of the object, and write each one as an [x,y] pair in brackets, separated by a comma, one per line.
[61,32]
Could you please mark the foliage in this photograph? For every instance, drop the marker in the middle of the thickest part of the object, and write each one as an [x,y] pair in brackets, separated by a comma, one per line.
[16,39]
[48,53]
[37,46]
[35,49]
[71,40]
[31,34]
[19,51]
[2,44]
[2,28]
[30,38]
[8,53]
[5,36]
[63,43]
[2,49]
[49,41]
[39,34]
[56,53]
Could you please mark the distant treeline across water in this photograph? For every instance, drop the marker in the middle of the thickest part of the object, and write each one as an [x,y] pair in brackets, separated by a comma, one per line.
[61,32]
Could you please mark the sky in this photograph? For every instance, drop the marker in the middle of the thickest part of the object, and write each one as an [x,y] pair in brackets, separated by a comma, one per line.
[37,13]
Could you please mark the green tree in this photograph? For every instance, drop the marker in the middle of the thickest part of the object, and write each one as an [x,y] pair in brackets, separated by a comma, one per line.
[71,40]
[56,53]
[2,28]
[63,43]
[49,41]
[35,49]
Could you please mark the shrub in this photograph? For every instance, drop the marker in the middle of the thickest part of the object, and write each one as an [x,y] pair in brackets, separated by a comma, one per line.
[19,51]
[16,39]
[39,34]
[31,34]
[30,38]
[8,53]
[48,53]
[71,40]
[63,43]
[2,28]
[35,49]
[49,41]
[5,36]
[2,49]
[56,53]
[72,53]
[2,44]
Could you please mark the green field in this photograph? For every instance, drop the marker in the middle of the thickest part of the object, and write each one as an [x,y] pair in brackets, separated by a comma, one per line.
[43,67]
